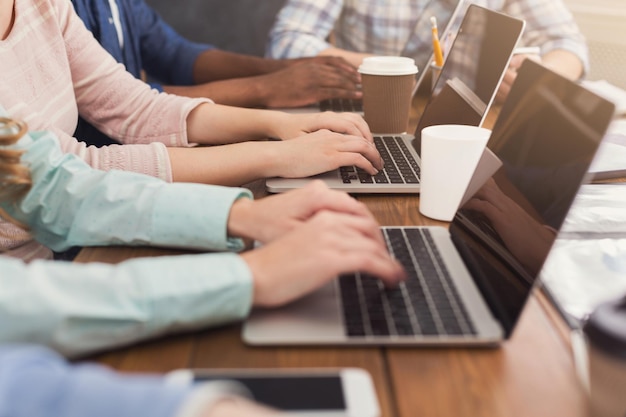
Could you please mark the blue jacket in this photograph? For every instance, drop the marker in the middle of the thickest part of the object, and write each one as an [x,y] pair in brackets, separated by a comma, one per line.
[149,44]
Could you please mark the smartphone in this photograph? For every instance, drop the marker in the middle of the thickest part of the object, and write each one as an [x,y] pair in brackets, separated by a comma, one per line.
[345,392]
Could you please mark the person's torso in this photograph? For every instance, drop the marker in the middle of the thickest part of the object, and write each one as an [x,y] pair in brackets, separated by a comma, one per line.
[36,77]
[114,30]
[397,27]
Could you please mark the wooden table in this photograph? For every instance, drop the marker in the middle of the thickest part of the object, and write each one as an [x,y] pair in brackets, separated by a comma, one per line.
[531,375]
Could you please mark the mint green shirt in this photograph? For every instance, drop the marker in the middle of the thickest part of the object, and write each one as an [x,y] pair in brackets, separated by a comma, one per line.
[80,308]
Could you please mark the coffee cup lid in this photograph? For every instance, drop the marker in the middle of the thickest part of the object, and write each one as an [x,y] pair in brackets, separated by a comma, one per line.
[388,65]
[606,328]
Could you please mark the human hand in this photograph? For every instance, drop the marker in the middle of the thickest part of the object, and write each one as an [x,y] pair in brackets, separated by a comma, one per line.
[317,251]
[271,217]
[511,74]
[526,238]
[295,125]
[238,407]
[320,152]
[310,80]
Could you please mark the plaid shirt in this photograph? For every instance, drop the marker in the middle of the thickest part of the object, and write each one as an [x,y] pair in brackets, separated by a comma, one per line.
[402,27]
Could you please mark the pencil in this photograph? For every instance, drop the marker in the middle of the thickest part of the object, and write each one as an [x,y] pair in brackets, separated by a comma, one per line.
[436,44]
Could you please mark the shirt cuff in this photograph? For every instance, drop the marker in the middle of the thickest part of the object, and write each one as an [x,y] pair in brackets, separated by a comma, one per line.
[195,216]
[187,59]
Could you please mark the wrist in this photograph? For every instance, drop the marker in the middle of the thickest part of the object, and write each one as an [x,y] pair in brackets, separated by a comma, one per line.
[263,93]
[240,219]
[271,164]
[275,121]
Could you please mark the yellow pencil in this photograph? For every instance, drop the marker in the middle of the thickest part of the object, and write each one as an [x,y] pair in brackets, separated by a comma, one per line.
[436,44]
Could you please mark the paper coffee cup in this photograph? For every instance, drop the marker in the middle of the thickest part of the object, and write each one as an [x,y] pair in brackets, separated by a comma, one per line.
[387,84]
[449,154]
[606,335]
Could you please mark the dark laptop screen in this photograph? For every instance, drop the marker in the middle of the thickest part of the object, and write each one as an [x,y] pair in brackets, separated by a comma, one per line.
[472,71]
[545,138]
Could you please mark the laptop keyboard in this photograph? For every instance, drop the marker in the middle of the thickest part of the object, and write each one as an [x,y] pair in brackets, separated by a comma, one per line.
[341,105]
[427,303]
[400,166]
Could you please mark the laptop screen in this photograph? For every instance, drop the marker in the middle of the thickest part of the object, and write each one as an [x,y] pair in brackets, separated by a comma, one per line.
[472,71]
[545,138]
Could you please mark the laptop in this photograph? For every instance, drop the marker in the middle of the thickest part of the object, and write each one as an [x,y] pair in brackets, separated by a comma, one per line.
[467,284]
[463,93]
[356,105]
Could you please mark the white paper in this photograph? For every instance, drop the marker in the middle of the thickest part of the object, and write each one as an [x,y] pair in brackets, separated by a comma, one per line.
[610,92]
[611,155]
[587,264]
[581,274]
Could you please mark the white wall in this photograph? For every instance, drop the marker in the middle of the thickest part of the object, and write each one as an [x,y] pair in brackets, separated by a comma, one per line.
[607,4]
[604,24]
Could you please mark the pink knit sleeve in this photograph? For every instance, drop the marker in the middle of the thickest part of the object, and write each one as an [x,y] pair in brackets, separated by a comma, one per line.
[112,99]
[150,159]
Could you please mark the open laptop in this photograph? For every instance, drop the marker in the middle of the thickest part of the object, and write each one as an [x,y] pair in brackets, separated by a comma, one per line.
[467,285]
[469,79]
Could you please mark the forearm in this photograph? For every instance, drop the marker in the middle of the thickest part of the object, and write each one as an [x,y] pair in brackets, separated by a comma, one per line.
[355,58]
[249,91]
[229,165]
[215,65]
[564,62]
[212,124]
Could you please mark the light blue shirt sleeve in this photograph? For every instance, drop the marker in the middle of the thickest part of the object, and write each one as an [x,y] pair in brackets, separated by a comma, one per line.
[80,308]
[71,204]
[83,308]
[35,382]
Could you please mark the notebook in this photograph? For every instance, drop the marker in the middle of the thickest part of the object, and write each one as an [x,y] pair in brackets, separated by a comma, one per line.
[469,79]
[467,284]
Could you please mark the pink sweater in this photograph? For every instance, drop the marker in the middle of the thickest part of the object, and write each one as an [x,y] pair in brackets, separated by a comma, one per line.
[53,69]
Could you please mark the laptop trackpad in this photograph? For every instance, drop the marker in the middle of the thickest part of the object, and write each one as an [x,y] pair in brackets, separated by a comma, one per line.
[315,318]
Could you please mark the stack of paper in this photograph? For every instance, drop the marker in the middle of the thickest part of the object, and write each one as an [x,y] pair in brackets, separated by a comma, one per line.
[588,263]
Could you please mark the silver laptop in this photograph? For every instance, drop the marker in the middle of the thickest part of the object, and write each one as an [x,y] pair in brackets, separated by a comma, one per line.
[467,284]
[469,79]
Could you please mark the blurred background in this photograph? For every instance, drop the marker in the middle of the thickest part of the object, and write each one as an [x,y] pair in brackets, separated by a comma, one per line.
[242,26]
[234,25]
[604,24]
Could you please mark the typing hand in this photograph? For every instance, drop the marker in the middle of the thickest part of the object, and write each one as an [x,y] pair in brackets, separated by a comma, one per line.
[271,217]
[323,151]
[296,125]
[310,80]
[314,253]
